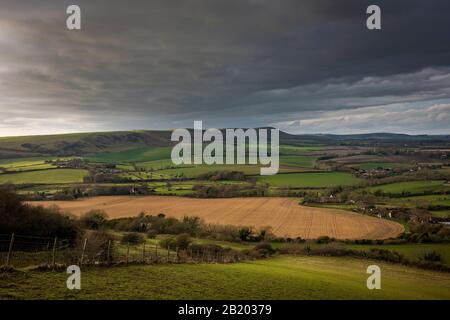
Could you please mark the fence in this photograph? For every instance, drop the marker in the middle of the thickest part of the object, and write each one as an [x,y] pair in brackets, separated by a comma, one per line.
[25,251]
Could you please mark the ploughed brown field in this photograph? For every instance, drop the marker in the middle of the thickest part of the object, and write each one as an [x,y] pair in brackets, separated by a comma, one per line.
[284,215]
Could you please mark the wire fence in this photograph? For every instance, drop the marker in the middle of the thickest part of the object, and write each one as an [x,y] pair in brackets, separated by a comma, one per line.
[21,251]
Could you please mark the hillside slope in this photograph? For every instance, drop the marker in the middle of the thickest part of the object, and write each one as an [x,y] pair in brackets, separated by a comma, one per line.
[81,144]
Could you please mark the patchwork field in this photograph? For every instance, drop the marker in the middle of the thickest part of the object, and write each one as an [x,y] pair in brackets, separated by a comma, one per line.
[283,215]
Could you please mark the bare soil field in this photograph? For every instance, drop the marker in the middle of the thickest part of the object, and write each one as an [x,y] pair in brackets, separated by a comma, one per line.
[284,215]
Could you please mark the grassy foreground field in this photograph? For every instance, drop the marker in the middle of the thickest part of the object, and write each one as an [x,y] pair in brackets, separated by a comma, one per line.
[283,277]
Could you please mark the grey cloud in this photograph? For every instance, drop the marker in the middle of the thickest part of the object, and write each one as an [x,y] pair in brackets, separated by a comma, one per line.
[160,64]
[395,118]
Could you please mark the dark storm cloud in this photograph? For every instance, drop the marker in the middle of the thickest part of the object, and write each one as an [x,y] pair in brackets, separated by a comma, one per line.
[162,64]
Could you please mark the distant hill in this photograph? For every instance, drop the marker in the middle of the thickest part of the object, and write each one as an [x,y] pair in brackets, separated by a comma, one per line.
[81,143]
[95,142]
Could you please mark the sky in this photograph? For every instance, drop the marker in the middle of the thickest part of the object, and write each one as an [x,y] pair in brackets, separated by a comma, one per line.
[302,66]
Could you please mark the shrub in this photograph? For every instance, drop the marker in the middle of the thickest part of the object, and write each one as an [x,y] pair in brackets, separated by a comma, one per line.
[97,246]
[167,242]
[181,241]
[94,219]
[220,232]
[133,238]
[21,218]
[264,249]
[324,240]
[431,257]
[244,233]
[211,248]
[160,224]
[385,255]
[222,175]
[151,234]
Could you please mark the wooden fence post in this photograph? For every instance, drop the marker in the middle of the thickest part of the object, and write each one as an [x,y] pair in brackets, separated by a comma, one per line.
[11,244]
[143,253]
[109,252]
[48,252]
[178,257]
[128,253]
[54,253]
[156,249]
[168,254]
[83,251]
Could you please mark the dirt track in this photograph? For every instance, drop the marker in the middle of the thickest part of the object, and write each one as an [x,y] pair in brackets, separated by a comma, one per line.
[284,215]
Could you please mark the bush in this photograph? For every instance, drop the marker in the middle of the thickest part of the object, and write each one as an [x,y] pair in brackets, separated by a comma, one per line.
[97,246]
[211,248]
[167,242]
[220,232]
[133,238]
[151,234]
[182,242]
[159,224]
[324,240]
[264,249]
[431,257]
[24,219]
[244,233]
[222,175]
[385,255]
[94,219]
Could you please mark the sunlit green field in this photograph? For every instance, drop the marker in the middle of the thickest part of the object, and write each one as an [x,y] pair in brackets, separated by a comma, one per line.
[45,176]
[413,187]
[434,199]
[284,277]
[133,155]
[310,180]
[298,150]
[299,161]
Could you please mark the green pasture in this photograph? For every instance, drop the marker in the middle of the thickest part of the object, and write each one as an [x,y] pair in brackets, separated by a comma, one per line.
[432,199]
[282,277]
[298,161]
[133,155]
[52,176]
[310,179]
[412,187]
